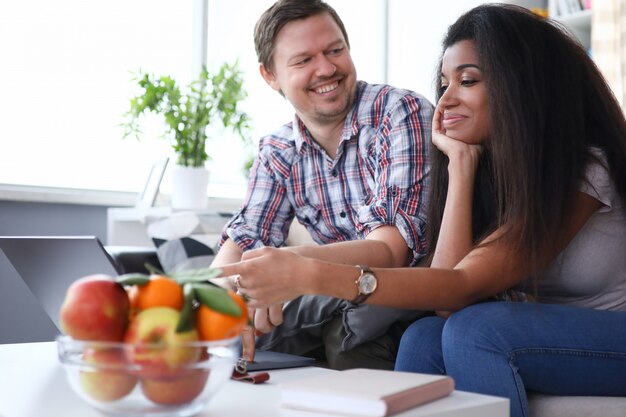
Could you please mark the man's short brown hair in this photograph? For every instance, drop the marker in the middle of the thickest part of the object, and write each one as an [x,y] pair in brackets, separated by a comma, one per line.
[281,13]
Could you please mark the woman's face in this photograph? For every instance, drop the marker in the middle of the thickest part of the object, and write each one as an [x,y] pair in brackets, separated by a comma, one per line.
[463,103]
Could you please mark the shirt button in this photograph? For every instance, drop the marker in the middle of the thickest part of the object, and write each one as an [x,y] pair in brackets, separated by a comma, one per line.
[334,173]
[342,214]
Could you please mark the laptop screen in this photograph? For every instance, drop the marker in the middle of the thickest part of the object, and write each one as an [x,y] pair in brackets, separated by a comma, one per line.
[49,264]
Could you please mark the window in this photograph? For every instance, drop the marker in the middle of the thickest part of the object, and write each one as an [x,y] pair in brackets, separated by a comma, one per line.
[67,81]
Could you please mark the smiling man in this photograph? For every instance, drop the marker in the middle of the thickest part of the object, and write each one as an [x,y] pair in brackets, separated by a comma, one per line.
[352,168]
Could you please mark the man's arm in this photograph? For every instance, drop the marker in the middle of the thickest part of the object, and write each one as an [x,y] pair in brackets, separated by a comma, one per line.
[383,247]
[265,210]
[228,253]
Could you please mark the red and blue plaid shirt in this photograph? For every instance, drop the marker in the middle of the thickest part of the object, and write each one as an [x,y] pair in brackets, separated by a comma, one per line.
[378,176]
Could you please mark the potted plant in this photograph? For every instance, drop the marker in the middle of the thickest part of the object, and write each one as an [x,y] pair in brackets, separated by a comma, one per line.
[187,114]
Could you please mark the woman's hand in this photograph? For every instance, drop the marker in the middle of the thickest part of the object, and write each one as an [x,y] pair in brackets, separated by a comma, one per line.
[269,276]
[455,150]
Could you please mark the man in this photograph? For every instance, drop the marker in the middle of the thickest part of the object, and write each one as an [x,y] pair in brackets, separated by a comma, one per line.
[351,168]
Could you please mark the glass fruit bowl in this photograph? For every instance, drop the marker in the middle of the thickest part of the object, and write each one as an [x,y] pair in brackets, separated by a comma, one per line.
[130,380]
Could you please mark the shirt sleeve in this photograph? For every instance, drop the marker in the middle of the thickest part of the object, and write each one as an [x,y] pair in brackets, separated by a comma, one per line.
[266,213]
[399,197]
[597,182]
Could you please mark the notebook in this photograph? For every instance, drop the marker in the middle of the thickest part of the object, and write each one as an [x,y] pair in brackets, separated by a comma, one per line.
[364,392]
[35,272]
[265,360]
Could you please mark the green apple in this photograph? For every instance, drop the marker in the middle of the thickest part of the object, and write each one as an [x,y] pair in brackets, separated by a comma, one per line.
[95,308]
[107,379]
[153,343]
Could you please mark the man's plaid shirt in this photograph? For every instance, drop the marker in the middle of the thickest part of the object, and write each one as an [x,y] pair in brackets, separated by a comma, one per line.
[378,176]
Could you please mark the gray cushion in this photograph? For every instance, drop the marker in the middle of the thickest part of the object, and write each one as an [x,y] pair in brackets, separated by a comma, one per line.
[558,406]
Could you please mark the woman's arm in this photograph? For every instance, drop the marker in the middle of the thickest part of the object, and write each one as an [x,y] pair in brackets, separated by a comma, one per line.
[270,276]
[455,235]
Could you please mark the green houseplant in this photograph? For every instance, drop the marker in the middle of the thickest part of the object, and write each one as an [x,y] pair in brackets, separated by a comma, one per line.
[187,113]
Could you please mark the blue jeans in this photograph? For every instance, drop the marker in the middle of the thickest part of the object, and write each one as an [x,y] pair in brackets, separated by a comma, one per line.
[508,348]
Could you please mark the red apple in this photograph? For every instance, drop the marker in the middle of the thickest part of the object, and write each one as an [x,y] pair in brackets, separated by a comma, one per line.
[95,308]
[154,343]
[108,380]
[172,391]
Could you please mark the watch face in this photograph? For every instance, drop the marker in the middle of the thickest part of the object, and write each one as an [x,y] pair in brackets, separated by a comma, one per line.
[367,283]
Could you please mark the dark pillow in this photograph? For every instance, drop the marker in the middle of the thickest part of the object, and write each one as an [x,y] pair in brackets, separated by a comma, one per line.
[187,239]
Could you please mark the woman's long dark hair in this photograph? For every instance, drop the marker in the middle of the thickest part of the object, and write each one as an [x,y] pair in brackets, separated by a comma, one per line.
[548,105]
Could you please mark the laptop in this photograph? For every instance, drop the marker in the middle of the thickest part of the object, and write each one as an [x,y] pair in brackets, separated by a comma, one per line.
[47,265]
[35,272]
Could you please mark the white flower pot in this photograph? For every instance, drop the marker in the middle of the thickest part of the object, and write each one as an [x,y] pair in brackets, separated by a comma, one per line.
[189,187]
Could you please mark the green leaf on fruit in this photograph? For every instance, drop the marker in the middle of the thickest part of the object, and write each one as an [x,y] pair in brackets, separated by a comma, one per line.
[196,275]
[186,322]
[153,269]
[217,298]
[133,279]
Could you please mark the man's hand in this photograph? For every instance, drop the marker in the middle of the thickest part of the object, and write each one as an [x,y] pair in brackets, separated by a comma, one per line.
[227,283]
[270,276]
[248,340]
[265,320]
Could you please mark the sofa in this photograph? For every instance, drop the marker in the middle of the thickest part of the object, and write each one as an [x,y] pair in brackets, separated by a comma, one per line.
[557,406]
[129,259]
[132,260]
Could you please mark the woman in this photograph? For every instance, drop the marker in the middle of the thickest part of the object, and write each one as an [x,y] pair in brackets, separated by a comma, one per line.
[529,195]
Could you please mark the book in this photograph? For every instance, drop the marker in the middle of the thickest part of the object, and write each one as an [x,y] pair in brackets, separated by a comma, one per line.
[364,392]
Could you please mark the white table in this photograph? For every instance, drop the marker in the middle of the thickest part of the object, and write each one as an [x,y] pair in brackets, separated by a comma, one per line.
[33,384]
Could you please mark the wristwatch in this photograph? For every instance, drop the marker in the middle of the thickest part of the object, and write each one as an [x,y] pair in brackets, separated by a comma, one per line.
[365,284]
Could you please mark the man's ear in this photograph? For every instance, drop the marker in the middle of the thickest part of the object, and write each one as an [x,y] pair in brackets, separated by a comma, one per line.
[269,77]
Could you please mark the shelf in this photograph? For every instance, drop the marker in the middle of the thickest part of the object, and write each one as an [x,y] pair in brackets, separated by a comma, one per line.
[579,20]
[579,23]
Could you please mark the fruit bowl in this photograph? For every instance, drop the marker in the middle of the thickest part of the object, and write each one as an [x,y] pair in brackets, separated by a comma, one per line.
[164,380]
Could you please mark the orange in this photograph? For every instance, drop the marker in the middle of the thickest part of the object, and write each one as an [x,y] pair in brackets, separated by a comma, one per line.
[213,325]
[161,291]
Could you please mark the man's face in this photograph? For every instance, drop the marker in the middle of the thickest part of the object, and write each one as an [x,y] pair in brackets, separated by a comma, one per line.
[313,69]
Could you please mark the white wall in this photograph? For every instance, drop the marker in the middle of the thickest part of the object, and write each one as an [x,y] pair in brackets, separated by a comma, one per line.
[416,30]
